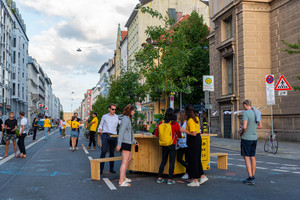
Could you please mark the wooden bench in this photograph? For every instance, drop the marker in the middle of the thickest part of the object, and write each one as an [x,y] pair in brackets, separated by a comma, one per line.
[222,160]
[95,166]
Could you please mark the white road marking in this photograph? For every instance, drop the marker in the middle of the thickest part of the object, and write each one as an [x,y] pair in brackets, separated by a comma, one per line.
[109,184]
[84,149]
[261,168]
[90,157]
[27,147]
[290,165]
[279,170]
[229,164]
[296,172]
[213,162]
[259,161]
[241,166]
[271,163]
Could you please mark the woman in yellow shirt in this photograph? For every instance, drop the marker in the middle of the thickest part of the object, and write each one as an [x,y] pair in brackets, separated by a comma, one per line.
[74,130]
[194,143]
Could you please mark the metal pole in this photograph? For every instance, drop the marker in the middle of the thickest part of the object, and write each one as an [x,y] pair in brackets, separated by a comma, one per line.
[272,119]
[208,113]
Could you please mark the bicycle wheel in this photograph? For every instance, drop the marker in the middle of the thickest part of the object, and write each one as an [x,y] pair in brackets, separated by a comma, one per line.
[274,146]
[267,146]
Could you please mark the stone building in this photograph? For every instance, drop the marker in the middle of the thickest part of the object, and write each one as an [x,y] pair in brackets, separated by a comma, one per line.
[245,41]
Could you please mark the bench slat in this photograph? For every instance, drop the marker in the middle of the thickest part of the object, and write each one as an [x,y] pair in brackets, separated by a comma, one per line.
[218,154]
[107,159]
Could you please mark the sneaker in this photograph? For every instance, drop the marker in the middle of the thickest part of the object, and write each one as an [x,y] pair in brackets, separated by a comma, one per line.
[171,182]
[1,158]
[185,176]
[71,148]
[160,180]
[203,180]
[249,181]
[194,184]
[76,148]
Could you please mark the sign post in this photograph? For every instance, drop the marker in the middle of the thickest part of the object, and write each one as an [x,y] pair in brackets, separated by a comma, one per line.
[172,100]
[208,86]
[270,95]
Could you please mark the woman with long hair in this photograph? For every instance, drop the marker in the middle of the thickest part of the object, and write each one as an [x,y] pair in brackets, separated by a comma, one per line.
[183,148]
[35,127]
[194,143]
[125,141]
[74,131]
[170,118]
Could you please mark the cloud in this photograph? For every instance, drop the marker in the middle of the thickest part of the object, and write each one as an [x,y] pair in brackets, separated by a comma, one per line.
[71,24]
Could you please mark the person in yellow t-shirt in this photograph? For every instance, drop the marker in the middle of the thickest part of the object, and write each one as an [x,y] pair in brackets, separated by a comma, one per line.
[47,125]
[194,143]
[93,129]
[74,131]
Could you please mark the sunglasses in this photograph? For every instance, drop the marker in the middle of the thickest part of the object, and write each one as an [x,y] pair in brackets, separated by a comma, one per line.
[113,109]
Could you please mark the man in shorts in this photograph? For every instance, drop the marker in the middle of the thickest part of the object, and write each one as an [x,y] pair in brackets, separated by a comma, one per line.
[249,141]
[10,126]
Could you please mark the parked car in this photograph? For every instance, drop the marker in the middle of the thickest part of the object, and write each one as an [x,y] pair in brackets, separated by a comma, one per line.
[41,124]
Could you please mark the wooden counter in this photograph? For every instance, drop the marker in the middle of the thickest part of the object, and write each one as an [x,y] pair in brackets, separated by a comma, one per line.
[149,156]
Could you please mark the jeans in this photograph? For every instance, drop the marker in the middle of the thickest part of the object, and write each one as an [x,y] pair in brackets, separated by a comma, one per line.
[180,153]
[21,144]
[46,129]
[76,140]
[92,139]
[166,151]
[108,144]
[60,131]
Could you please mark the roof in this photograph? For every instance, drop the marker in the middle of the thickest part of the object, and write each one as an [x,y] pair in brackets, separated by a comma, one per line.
[123,34]
[132,16]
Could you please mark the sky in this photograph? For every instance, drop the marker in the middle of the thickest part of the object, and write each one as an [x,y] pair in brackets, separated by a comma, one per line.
[56,28]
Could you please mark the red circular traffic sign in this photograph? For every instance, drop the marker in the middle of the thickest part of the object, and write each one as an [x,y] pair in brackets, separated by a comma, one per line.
[270,79]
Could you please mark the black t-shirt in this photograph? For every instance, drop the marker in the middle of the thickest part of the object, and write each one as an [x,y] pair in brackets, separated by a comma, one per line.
[1,122]
[11,123]
[35,125]
[78,119]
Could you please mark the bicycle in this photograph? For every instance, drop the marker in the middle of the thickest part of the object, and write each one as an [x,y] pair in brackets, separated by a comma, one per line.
[271,144]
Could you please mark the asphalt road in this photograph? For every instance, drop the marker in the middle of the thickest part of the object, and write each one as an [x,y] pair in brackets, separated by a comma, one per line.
[52,171]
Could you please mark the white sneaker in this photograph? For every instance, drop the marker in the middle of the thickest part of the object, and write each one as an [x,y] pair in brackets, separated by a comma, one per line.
[1,158]
[185,176]
[203,180]
[194,184]
[71,148]
[76,148]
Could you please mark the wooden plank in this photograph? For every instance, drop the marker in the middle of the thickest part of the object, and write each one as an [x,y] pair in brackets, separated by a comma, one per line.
[218,154]
[107,159]
[95,170]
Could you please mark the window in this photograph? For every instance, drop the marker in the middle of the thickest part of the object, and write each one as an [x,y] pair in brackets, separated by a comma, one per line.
[228,28]
[228,75]
[15,42]
[14,57]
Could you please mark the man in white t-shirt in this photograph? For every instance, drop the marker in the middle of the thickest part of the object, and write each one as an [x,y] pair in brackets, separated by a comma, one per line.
[23,134]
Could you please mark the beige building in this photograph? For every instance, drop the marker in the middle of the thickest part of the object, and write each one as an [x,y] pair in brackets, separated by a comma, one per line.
[137,25]
[245,43]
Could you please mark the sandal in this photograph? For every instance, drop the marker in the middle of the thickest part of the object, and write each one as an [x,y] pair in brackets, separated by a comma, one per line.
[124,184]
[4,157]
[128,180]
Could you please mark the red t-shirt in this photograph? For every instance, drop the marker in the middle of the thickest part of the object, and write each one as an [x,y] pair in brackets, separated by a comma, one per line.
[175,130]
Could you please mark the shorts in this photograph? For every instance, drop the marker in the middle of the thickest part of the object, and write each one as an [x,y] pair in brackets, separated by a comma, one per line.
[74,134]
[248,148]
[8,137]
[125,147]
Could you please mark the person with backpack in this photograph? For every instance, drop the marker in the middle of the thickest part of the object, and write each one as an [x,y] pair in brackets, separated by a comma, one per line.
[168,132]
[74,131]
[125,141]
[183,148]
[23,134]
[194,143]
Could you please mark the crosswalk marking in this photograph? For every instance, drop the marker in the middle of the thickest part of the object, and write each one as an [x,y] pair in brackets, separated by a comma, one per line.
[280,170]
[109,184]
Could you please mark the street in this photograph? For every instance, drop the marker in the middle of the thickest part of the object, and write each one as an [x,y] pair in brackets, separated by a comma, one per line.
[52,171]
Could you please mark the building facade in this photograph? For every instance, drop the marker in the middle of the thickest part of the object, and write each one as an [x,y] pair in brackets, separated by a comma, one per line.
[104,78]
[48,97]
[124,52]
[19,71]
[245,42]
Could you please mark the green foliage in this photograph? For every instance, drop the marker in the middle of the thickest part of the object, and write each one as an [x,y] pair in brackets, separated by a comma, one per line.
[176,58]
[100,106]
[293,49]
[61,114]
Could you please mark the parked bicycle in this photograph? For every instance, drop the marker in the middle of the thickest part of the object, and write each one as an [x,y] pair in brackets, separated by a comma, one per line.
[271,144]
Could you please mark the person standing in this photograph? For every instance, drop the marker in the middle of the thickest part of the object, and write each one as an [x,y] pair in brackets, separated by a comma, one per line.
[125,141]
[63,128]
[93,129]
[183,148]
[78,120]
[194,142]
[47,126]
[74,131]
[107,128]
[249,141]
[10,126]
[35,127]
[168,126]
[23,134]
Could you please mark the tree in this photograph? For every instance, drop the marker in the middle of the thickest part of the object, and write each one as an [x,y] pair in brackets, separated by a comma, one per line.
[175,58]
[293,49]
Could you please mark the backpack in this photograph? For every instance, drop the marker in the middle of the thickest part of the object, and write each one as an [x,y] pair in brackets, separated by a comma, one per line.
[165,134]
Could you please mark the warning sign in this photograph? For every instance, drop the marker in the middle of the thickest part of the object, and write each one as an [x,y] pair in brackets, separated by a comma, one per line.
[282,84]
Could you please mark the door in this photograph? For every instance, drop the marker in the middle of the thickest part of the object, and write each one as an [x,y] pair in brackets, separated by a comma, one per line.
[227,126]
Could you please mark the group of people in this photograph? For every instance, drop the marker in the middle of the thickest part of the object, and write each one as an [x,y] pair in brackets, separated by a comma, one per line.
[9,132]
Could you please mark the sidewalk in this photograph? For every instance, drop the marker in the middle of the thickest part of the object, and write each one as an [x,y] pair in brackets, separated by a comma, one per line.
[288,150]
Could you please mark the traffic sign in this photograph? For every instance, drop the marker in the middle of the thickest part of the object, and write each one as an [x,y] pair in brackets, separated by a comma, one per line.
[208,83]
[270,92]
[282,93]
[282,84]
